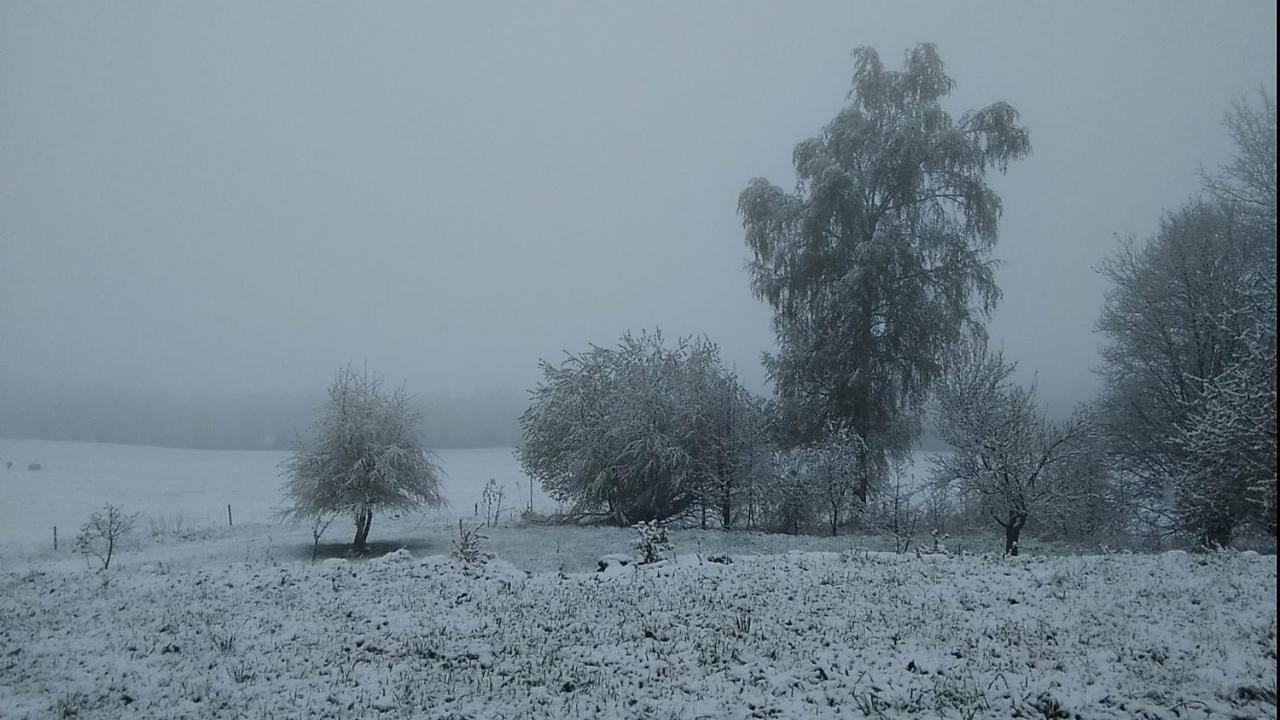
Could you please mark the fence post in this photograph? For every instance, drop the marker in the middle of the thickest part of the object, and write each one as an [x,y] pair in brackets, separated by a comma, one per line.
[229,515]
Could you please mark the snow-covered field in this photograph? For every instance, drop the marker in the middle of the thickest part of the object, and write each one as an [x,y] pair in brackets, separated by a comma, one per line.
[789,636]
[206,620]
[192,488]
[195,485]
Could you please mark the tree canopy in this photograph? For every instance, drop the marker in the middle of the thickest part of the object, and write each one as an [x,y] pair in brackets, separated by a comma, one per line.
[641,432]
[364,453]
[881,258]
[1190,362]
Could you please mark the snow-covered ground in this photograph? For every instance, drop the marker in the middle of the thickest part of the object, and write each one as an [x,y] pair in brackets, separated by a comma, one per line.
[798,635]
[206,620]
[194,485]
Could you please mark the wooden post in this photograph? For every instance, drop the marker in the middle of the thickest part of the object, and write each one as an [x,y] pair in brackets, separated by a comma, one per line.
[228,514]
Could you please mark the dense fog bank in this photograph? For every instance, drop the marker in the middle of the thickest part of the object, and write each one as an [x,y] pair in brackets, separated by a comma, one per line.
[481,418]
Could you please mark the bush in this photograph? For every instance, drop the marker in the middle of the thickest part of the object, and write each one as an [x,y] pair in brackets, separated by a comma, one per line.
[641,432]
[652,540]
[467,547]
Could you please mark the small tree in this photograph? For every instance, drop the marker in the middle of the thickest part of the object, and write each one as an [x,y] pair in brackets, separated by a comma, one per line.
[491,498]
[363,454]
[896,512]
[319,524]
[1006,450]
[104,530]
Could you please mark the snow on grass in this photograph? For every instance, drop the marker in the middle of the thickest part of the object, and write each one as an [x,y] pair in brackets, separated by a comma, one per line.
[795,635]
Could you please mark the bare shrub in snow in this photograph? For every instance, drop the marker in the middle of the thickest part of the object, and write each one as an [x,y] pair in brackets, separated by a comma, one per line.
[163,526]
[652,540]
[491,499]
[895,511]
[365,453]
[102,533]
[467,546]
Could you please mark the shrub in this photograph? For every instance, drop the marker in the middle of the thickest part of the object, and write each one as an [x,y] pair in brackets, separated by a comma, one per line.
[467,547]
[652,540]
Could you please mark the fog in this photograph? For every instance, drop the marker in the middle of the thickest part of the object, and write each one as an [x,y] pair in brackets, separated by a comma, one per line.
[219,204]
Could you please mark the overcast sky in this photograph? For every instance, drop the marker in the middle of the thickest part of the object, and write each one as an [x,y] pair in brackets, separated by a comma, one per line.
[239,197]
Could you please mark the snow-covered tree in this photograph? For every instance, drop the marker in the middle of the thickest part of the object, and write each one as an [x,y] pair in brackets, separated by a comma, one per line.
[881,258]
[1006,452]
[640,431]
[363,454]
[1248,179]
[835,473]
[1227,476]
[1189,403]
[788,501]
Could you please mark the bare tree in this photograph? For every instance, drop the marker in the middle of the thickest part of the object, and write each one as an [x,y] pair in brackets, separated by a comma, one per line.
[896,511]
[1248,179]
[491,498]
[1228,440]
[1189,407]
[104,530]
[319,524]
[1006,450]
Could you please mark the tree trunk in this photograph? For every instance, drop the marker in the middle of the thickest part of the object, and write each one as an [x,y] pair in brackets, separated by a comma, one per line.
[864,476]
[726,506]
[835,521]
[364,518]
[1012,531]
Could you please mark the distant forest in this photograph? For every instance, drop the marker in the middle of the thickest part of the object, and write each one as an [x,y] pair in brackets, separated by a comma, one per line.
[483,418]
